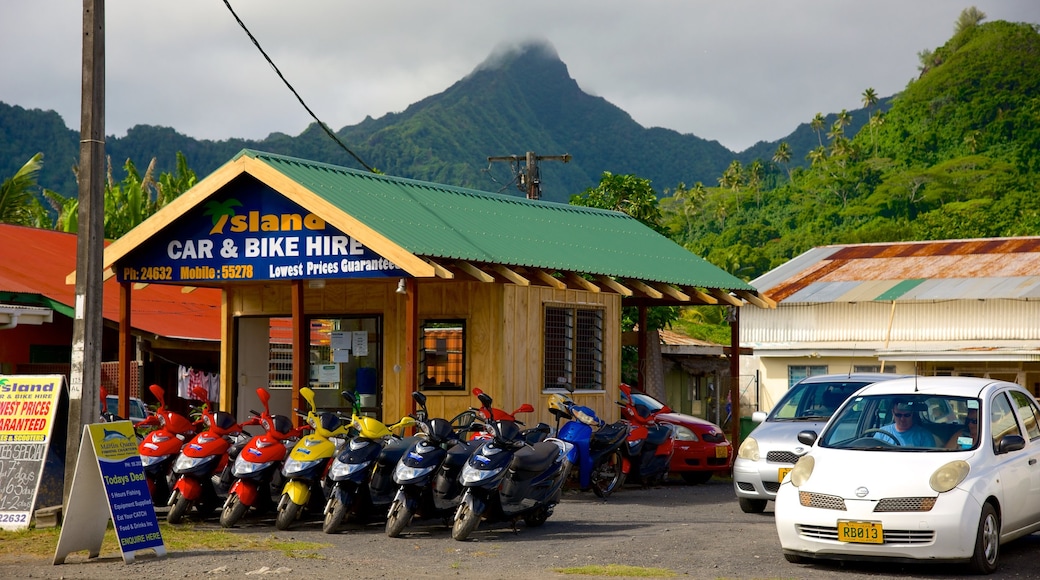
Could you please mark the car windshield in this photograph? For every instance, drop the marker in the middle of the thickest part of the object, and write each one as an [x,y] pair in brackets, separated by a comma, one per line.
[814,401]
[905,422]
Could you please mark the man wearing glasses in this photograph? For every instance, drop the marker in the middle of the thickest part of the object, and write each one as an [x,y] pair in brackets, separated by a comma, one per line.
[903,431]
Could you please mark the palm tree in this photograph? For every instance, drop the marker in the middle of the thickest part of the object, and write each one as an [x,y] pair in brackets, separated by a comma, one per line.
[817,124]
[869,100]
[875,122]
[783,157]
[844,119]
[969,18]
[17,193]
[817,155]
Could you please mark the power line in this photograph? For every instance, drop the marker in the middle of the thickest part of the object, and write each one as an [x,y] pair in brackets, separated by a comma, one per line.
[528,180]
[298,97]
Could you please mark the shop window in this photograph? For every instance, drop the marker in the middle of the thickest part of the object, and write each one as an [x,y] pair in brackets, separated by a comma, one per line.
[573,352]
[442,358]
[796,373]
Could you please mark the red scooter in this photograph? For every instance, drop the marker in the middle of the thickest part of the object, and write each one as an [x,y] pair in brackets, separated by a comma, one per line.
[649,445]
[259,462]
[161,446]
[473,420]
[205,456]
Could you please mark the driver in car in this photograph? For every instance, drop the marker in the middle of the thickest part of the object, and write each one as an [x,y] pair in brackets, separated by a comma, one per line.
[903,430]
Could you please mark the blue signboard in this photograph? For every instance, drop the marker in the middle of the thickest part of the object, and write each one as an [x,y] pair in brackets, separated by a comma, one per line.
[249,232]
[122,474]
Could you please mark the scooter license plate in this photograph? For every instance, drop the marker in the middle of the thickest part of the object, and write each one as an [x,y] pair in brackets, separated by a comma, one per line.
[860,532]
[780,473]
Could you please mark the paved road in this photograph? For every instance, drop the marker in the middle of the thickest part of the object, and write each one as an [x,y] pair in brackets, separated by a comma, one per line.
[696,531]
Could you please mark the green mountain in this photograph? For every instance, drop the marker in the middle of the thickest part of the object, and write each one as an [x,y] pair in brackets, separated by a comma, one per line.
[519,101]
[956,156]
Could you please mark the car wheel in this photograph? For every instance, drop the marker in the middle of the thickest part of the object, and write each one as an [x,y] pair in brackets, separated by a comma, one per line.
[752,506]
[696,477]
[793,558]
[987,542]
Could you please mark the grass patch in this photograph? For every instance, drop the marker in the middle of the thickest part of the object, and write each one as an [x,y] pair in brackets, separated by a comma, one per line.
[34,543]
[618,570]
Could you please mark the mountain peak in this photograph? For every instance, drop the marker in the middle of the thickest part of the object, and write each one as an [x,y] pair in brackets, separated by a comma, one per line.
[505,54]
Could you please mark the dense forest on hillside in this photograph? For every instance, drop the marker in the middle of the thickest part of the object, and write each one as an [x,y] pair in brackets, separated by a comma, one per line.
[956,156]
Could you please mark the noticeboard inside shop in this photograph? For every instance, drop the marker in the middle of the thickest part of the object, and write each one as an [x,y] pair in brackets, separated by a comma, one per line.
[249,232]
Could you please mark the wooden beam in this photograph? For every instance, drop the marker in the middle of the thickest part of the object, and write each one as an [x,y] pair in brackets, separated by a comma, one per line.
[510,275]
[474,271]
[140,286]
[757,299]
[672,291]
[439,270]
[704,298]
[614,285]
[548,279]
[645,289]
[188,289]
[576,280]
[726,297]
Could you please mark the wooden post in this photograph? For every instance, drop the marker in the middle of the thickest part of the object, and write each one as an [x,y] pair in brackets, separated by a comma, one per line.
[301,349]
[85,370]
[734,374]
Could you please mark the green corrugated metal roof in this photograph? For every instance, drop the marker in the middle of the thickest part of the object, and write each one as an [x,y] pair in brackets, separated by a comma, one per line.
[440,221]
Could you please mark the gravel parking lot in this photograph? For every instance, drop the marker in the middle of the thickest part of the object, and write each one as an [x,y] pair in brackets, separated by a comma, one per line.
[694,531]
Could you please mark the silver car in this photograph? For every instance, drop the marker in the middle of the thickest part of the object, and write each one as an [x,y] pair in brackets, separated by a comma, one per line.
[772,448]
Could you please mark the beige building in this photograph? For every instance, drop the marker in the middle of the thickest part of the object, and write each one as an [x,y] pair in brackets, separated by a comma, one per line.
[955,307]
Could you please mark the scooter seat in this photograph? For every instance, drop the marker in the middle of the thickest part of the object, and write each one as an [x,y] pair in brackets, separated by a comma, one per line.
[607,435]
[534,459]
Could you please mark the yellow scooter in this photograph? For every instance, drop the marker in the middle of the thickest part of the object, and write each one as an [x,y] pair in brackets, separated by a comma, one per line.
[308,461]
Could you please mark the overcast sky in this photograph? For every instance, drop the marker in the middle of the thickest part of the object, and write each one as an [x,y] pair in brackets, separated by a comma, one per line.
[735,71]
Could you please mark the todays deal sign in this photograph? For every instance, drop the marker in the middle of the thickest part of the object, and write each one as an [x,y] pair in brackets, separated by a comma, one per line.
[249,232]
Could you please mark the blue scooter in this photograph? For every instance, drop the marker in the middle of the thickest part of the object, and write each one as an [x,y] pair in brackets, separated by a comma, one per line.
[598,445]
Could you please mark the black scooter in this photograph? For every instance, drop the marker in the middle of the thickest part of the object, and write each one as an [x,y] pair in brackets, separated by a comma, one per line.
[508,479]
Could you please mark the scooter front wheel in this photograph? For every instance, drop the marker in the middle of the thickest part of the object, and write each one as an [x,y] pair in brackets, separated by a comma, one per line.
[233,511]
[608,476]
[466,520]
[287,513]
[397,518]
[180,506]
[334,516]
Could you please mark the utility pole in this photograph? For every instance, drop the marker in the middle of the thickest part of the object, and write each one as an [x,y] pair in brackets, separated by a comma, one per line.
[530,183]
[85,371]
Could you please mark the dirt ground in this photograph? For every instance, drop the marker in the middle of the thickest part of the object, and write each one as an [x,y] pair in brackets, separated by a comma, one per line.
[694,531]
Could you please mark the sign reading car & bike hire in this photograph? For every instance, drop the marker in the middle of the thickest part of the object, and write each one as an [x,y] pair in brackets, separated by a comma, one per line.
[249,232]
[27,408]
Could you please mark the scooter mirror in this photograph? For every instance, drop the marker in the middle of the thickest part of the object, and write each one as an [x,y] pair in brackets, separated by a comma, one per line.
[419,398]
[349,398]
[264,396]
[485,399]
[525,408]
[158,392]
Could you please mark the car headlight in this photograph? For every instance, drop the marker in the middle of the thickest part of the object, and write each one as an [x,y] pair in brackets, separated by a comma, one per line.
[684,433]
[802,470]
[949,476]
[749,450]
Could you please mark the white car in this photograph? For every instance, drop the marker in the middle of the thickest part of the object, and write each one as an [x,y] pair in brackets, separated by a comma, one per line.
[772,448]
[954,493]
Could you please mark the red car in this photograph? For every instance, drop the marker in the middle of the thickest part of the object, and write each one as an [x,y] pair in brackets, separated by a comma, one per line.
[701,448]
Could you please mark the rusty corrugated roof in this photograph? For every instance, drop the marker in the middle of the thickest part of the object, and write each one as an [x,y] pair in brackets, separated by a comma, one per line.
[986,268]
[36,262]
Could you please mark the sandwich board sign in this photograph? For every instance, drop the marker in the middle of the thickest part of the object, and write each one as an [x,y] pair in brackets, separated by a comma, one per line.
[28,405]
[109,483]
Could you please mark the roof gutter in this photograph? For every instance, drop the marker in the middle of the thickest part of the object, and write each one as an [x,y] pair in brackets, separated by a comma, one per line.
[33,315]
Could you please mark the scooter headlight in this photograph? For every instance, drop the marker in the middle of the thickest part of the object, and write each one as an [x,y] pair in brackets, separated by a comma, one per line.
[340,469]
[147,460]
[243,467]
[296,466]
[471,475]
[405,473]
[186,463]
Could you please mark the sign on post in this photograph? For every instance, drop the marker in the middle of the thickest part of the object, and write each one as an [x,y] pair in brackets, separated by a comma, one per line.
[109,483]
[27,408]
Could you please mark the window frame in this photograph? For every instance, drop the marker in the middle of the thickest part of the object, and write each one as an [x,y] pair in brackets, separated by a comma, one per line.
[573,347]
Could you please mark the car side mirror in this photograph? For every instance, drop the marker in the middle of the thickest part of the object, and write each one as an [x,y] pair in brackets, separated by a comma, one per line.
[1009,443]
[807,437]
[758,416]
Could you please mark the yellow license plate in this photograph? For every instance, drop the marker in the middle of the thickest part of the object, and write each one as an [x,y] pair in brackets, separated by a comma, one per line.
[860,532]
[721,452]
[780,473]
